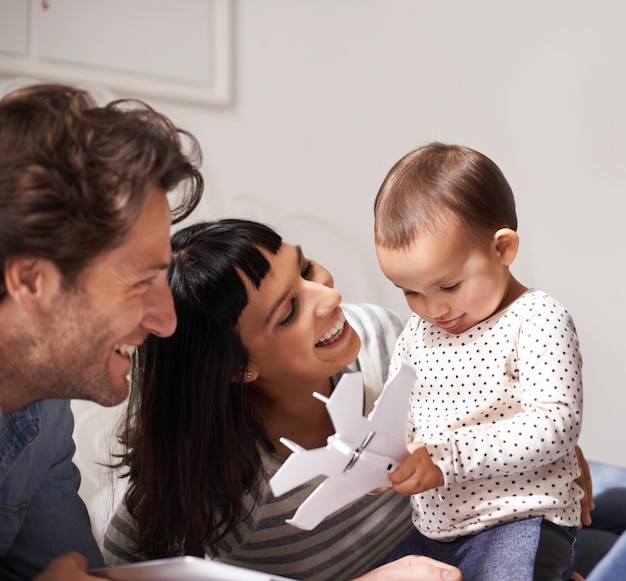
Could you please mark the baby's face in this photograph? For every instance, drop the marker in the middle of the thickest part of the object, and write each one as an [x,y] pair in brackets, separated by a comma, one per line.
[448,280]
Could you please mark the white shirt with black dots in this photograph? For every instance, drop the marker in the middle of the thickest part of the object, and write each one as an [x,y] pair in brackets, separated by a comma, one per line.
[499,408]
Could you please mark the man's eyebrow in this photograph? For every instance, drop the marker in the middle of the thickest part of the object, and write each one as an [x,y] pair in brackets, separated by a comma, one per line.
[150,269]
[283,297]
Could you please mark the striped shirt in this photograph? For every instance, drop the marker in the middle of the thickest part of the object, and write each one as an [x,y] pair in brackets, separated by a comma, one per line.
[345,545]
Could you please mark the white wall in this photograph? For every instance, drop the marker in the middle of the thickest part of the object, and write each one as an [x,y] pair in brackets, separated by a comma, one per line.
[330,93]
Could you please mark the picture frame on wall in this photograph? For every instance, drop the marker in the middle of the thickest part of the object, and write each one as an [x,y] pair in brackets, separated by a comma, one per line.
[177,50]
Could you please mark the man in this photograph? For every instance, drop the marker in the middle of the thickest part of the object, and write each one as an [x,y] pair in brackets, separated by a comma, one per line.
[84,251]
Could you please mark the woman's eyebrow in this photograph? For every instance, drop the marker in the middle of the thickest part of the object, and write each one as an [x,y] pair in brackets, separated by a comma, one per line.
[275,307]
[281,299]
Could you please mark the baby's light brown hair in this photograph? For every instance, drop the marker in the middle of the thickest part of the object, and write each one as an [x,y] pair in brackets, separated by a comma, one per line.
[442,185]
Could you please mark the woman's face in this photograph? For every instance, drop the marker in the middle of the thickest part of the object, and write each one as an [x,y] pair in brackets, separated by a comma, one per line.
[292,327]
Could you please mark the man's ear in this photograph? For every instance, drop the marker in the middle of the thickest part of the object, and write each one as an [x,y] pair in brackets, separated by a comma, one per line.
[506,242]
[30,281]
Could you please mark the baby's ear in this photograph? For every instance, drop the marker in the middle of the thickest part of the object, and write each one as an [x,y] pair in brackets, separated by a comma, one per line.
[506,242]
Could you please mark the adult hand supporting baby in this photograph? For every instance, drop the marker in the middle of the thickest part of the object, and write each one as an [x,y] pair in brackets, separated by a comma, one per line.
[413,568]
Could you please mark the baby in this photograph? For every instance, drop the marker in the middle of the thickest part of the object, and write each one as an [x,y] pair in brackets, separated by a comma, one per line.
[496,409]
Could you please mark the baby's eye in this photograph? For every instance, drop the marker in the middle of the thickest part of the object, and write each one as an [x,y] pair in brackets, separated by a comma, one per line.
[451,288]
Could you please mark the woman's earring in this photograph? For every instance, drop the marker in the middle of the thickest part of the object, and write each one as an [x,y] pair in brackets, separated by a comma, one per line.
[248,376]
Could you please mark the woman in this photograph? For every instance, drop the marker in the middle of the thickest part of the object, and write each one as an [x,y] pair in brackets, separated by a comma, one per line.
[260,328]
[200,459]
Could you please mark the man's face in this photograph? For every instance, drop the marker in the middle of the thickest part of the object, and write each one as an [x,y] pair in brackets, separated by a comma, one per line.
[82,344]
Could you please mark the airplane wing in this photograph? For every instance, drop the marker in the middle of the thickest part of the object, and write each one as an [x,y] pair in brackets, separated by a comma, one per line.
[301,467]
[389,417]
[358,457]
[335,493]
[345,407]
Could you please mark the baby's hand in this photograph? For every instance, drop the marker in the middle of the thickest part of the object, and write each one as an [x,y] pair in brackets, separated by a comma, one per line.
[417,473]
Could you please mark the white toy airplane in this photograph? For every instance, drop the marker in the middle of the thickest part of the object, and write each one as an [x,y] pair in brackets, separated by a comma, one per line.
[358,457]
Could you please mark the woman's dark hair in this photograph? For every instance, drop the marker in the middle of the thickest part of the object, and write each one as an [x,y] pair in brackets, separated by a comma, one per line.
[190,435]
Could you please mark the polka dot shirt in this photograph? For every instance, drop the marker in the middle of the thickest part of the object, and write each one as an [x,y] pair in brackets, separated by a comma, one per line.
[499,408]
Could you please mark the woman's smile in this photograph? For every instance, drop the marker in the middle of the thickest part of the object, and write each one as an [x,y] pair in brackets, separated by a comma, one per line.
[334,333]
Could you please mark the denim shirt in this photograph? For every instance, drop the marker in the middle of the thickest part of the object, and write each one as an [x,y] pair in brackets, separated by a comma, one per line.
[41,514]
